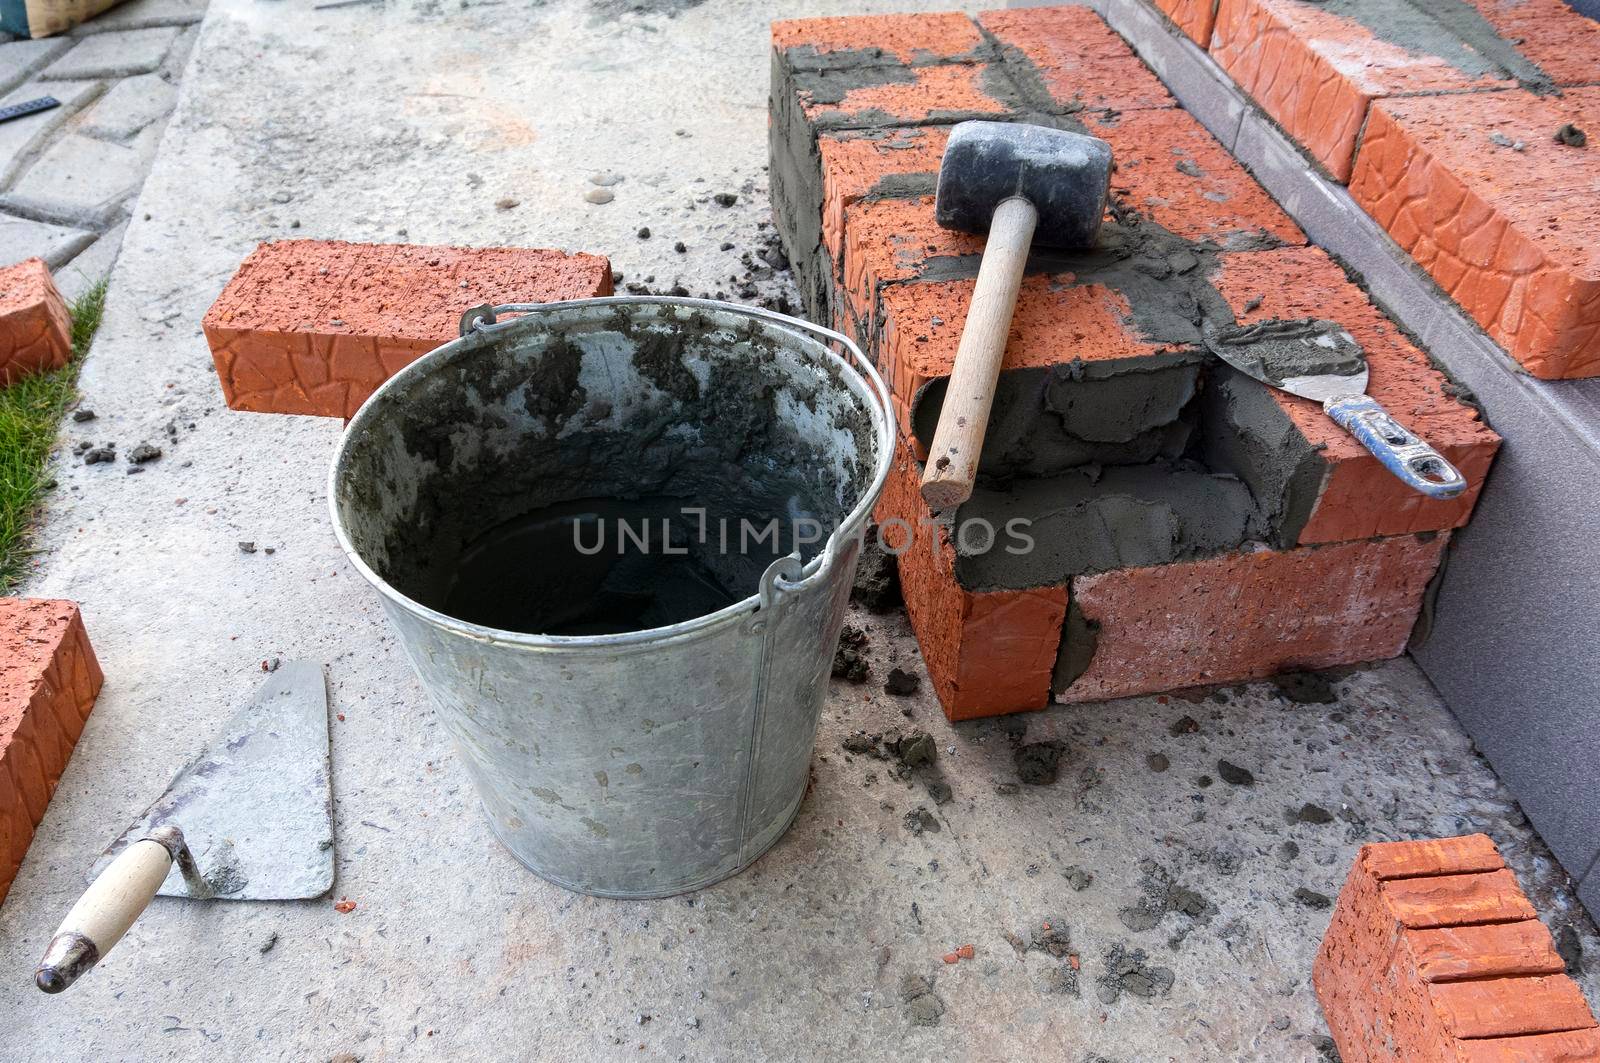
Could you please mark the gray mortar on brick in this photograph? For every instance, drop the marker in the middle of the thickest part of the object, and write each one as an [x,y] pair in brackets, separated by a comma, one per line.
[1080,637]
[806,57]
[1098,518]
[1047,419]
[1450,29]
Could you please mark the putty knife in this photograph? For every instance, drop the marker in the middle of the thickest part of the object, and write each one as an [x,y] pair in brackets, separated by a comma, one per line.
[1319,360]
[250,819]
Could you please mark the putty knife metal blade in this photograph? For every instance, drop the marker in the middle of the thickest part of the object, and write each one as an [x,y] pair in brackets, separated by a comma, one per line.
[256,806]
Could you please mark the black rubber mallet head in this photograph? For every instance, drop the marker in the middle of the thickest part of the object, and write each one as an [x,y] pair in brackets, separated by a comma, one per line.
[1018,183]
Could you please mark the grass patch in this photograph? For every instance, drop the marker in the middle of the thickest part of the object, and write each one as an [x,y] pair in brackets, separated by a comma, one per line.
[30,412]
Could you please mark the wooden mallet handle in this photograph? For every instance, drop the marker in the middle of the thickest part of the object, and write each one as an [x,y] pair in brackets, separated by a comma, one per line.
[964,418]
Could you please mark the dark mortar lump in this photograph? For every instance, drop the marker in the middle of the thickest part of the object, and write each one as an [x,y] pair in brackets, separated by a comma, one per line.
[539,480]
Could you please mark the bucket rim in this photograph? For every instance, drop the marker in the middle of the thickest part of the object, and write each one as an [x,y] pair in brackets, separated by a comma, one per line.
[858,372]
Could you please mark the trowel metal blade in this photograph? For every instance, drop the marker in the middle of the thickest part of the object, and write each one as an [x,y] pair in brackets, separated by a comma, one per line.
[1252,350]
[256,806]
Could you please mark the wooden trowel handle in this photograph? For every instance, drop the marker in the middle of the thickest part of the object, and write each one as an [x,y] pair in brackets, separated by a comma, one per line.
[108,908]
[964,418]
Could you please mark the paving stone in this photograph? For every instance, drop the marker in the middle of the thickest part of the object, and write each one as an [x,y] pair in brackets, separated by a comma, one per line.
[115,55]
[129,106]
[79,179]
[143,14]
[21,138]
[19,60]
[92,266]
[21,238]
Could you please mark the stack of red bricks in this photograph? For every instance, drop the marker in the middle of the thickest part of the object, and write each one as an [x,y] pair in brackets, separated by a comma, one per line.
[1434,955]
[1189,526]
[1470,130]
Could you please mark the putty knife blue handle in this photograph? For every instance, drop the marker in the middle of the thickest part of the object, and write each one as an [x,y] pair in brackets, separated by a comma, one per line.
[1401,452]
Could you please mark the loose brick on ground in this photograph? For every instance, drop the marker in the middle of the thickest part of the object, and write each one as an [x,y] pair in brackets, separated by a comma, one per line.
[35,327]
[1202,622]
[1316,72]
[1511,233]
[1434,953]
[313,327]
[49,679]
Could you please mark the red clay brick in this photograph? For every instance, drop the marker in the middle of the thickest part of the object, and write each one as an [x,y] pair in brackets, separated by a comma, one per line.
[1359,498]
[1578,1046]
[1456,900]
[1561,42]
[1510,1007]
[1430,856]
[1201,622]
[49,679]
[313,327]
[1316,73]
[1468,991]
[853,166]
[1055,322]
[1224,204]
[988,653]
[35,327]
[1492,950]
[1194,17]
[1513,236]
[1081,60]
[924,37]
[934,94]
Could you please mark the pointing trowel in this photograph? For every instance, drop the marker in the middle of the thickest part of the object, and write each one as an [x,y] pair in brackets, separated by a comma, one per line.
[250,818]
[1319,360]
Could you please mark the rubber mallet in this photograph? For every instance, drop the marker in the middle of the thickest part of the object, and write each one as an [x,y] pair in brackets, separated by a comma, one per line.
[1022,184]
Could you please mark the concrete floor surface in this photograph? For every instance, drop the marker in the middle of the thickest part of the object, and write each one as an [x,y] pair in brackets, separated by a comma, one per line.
[411,122]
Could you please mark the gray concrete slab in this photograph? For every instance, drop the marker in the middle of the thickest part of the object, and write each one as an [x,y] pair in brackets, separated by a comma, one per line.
[1517,610]
[22,238]
[19,60]
[453,950]
[114,55]
[21,139]
[129,106]
[78,180]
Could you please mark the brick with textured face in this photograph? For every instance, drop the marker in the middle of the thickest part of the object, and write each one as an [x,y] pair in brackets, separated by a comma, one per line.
[35,327]
[314,326]
[1078,59]
[49,679]
[1512,235]
[1194,17]
[1480,980]
[1250,614]
[1316,72]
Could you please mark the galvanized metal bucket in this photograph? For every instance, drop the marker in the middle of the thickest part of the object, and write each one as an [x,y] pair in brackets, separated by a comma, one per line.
[644,763]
